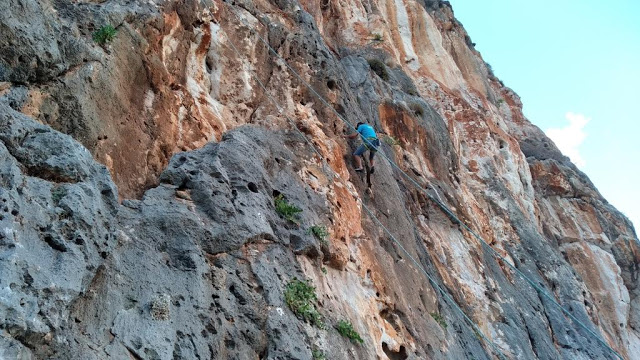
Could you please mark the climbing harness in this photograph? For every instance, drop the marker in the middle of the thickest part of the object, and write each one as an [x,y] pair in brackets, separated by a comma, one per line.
[437,201]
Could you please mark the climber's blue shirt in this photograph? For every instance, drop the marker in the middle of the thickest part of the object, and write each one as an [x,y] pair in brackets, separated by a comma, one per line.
[367,131]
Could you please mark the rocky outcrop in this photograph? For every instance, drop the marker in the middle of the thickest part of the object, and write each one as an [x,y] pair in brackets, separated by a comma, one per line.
[148,230]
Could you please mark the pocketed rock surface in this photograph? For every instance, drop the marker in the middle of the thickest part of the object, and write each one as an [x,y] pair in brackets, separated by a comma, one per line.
[138,178]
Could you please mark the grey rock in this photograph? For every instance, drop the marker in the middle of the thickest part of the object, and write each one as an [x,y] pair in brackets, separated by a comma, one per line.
[196,268]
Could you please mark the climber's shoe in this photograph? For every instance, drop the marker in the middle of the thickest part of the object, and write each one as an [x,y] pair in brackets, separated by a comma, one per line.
[372,170]
[359,169]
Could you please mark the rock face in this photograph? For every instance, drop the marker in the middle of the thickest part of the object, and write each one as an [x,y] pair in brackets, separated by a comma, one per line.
[139,177]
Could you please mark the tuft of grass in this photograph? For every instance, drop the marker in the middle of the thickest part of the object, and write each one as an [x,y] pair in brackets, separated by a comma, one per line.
[324,270]
[320,232]
[317,354]
[377,37]
[439,319]
[390,140]
[104,35]
[346,329]
[500,102]
[286,210]
[379,68]
[301,297]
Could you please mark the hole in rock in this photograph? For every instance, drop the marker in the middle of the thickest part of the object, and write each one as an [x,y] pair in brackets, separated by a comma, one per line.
[55,244]
[392,355]
[253,187]
[209,63]
[276,193]
[331,84]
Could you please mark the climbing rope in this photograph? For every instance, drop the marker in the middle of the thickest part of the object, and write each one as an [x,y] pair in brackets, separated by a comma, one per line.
[432,280]
[440,204]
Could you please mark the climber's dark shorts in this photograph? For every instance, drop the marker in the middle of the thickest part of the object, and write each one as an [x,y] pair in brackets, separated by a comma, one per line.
[374,144]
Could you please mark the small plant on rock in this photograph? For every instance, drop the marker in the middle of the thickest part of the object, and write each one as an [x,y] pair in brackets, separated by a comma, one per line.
[160,307]
[439,319]
[57,194]
[391,140]
[317,354]
[377,37]
[104,35]
[417,109]
[346,329]
[286,210]
[379,68]
[490,70]
[301,297]
[320,232]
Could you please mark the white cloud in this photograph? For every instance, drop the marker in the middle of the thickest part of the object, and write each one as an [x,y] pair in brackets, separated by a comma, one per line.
[569,138]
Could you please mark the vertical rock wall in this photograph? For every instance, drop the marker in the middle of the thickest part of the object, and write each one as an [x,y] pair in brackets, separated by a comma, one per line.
[193,260]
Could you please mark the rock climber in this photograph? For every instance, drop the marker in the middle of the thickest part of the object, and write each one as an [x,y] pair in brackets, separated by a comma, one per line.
[369,142]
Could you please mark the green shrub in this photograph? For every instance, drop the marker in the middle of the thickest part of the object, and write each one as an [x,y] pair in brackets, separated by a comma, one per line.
[438,318]
[301,297]
[317,354]
[104,35]
[379,68]
[286,210]
[324,270]
[346,329]
[320,232]
[377,37]
[500,102]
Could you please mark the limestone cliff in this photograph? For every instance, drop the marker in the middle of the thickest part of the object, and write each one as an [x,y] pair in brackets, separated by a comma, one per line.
[139,178]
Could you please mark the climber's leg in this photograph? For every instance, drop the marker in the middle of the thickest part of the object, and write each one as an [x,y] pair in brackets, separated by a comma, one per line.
[357,156]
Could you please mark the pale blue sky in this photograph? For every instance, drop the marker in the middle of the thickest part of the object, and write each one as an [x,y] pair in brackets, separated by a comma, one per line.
[578,56]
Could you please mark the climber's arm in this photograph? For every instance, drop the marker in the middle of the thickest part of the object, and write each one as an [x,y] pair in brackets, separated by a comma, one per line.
[352,136]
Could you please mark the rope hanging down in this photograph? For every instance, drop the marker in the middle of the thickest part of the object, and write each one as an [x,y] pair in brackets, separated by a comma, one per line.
[431,197]
[432,280]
